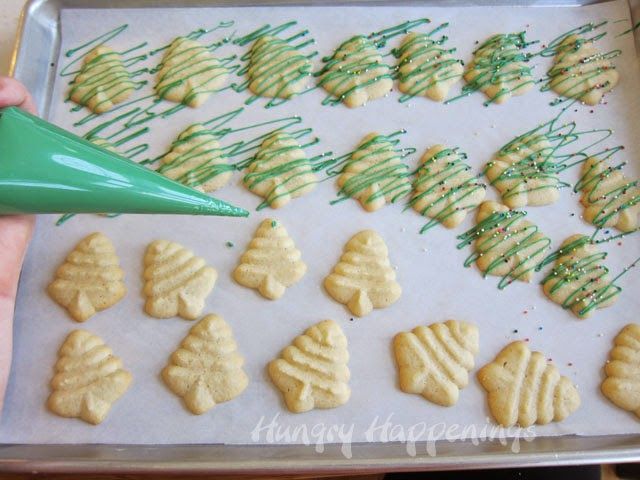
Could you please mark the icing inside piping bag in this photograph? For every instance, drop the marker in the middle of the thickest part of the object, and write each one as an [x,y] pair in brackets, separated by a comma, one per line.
[45,169]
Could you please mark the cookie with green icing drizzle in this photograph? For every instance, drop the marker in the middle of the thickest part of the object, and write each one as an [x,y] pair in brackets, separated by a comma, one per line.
[103,81]
[277,69]
[196,160]
[579,281]
[499,68]
[524,171]
[425,68]
[375,174]
[355,73]
[189,73]
[280,171]
[506,245]
[610,199]
[104,143]
[581,71]
[444,188]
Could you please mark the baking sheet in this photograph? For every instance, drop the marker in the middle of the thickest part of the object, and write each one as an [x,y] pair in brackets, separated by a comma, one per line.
[436,286]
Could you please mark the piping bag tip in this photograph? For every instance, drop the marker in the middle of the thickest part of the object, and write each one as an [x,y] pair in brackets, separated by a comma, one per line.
[45,169]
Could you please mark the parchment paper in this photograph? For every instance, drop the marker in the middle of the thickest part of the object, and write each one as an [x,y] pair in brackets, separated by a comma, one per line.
[435,284]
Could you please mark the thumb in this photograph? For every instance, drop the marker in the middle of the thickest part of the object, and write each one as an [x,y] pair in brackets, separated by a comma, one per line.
[13,93]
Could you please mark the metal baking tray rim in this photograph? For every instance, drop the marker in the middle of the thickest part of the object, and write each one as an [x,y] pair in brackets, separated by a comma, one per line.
[39,22]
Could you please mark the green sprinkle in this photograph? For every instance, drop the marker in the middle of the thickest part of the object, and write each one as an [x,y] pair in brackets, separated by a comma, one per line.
[274,224]
[229,244]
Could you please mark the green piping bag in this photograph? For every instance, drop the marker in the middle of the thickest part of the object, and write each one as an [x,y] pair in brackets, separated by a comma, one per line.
[45,169]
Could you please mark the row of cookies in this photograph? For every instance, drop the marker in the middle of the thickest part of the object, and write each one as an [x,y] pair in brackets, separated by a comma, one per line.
[434,361]
[177,282]
[356,72]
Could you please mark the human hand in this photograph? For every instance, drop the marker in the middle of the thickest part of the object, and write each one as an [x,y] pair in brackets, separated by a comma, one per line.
[15,233]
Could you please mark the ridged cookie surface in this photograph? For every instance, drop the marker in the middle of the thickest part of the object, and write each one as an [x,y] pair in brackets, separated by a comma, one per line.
[280,171]
[207,368]
[189,73]
[435,361]
[524,389]
[272,263]
[363,279]
[312,372]
[176,281]
[196,160]
[103,81]
[622,370]
[90,279]
[88,379]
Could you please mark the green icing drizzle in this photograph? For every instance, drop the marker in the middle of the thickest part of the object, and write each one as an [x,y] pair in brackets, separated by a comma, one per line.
[430,63]
[505,226]
[390,173]
[593,290]
[558,48]
[432,179]
[493,65]
[356,56]
[275,66]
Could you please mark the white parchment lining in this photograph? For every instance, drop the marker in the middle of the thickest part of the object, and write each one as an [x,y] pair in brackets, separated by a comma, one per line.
[435,284]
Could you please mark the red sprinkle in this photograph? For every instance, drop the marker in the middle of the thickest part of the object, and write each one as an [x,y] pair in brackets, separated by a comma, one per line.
[525,312]
[526,339]
[570,364]
[619,244]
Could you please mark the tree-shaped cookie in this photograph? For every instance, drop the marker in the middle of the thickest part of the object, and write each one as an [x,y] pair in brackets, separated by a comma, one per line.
[610,199]
[356,73]
[176,281]
[196,160]
[206,369]
[189,73]
[375,174]
[90,279]
[444,188]
[277,69]
[435,361]
[505,244]
[499,68]
[363,279]
[622,370]
[89,379]
[524,171]
[579,281]
[280,171]
[524,389]
[272,263]
[103,81]
[581,71]
[425,68]
[312,372]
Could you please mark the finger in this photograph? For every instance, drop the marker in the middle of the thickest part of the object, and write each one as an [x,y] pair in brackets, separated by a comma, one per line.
[13,93]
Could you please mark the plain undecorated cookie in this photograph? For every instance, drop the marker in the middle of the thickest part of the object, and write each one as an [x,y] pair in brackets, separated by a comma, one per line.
[435,361]
[103,81]
[356,73]
[581,71]
[524,389]
[622,370]
[89,379]
[272,263]
[609,198]
[90,279]
[445,189]
[206,369]
[176,281]
[312,372]
[363,279]
[189,73]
